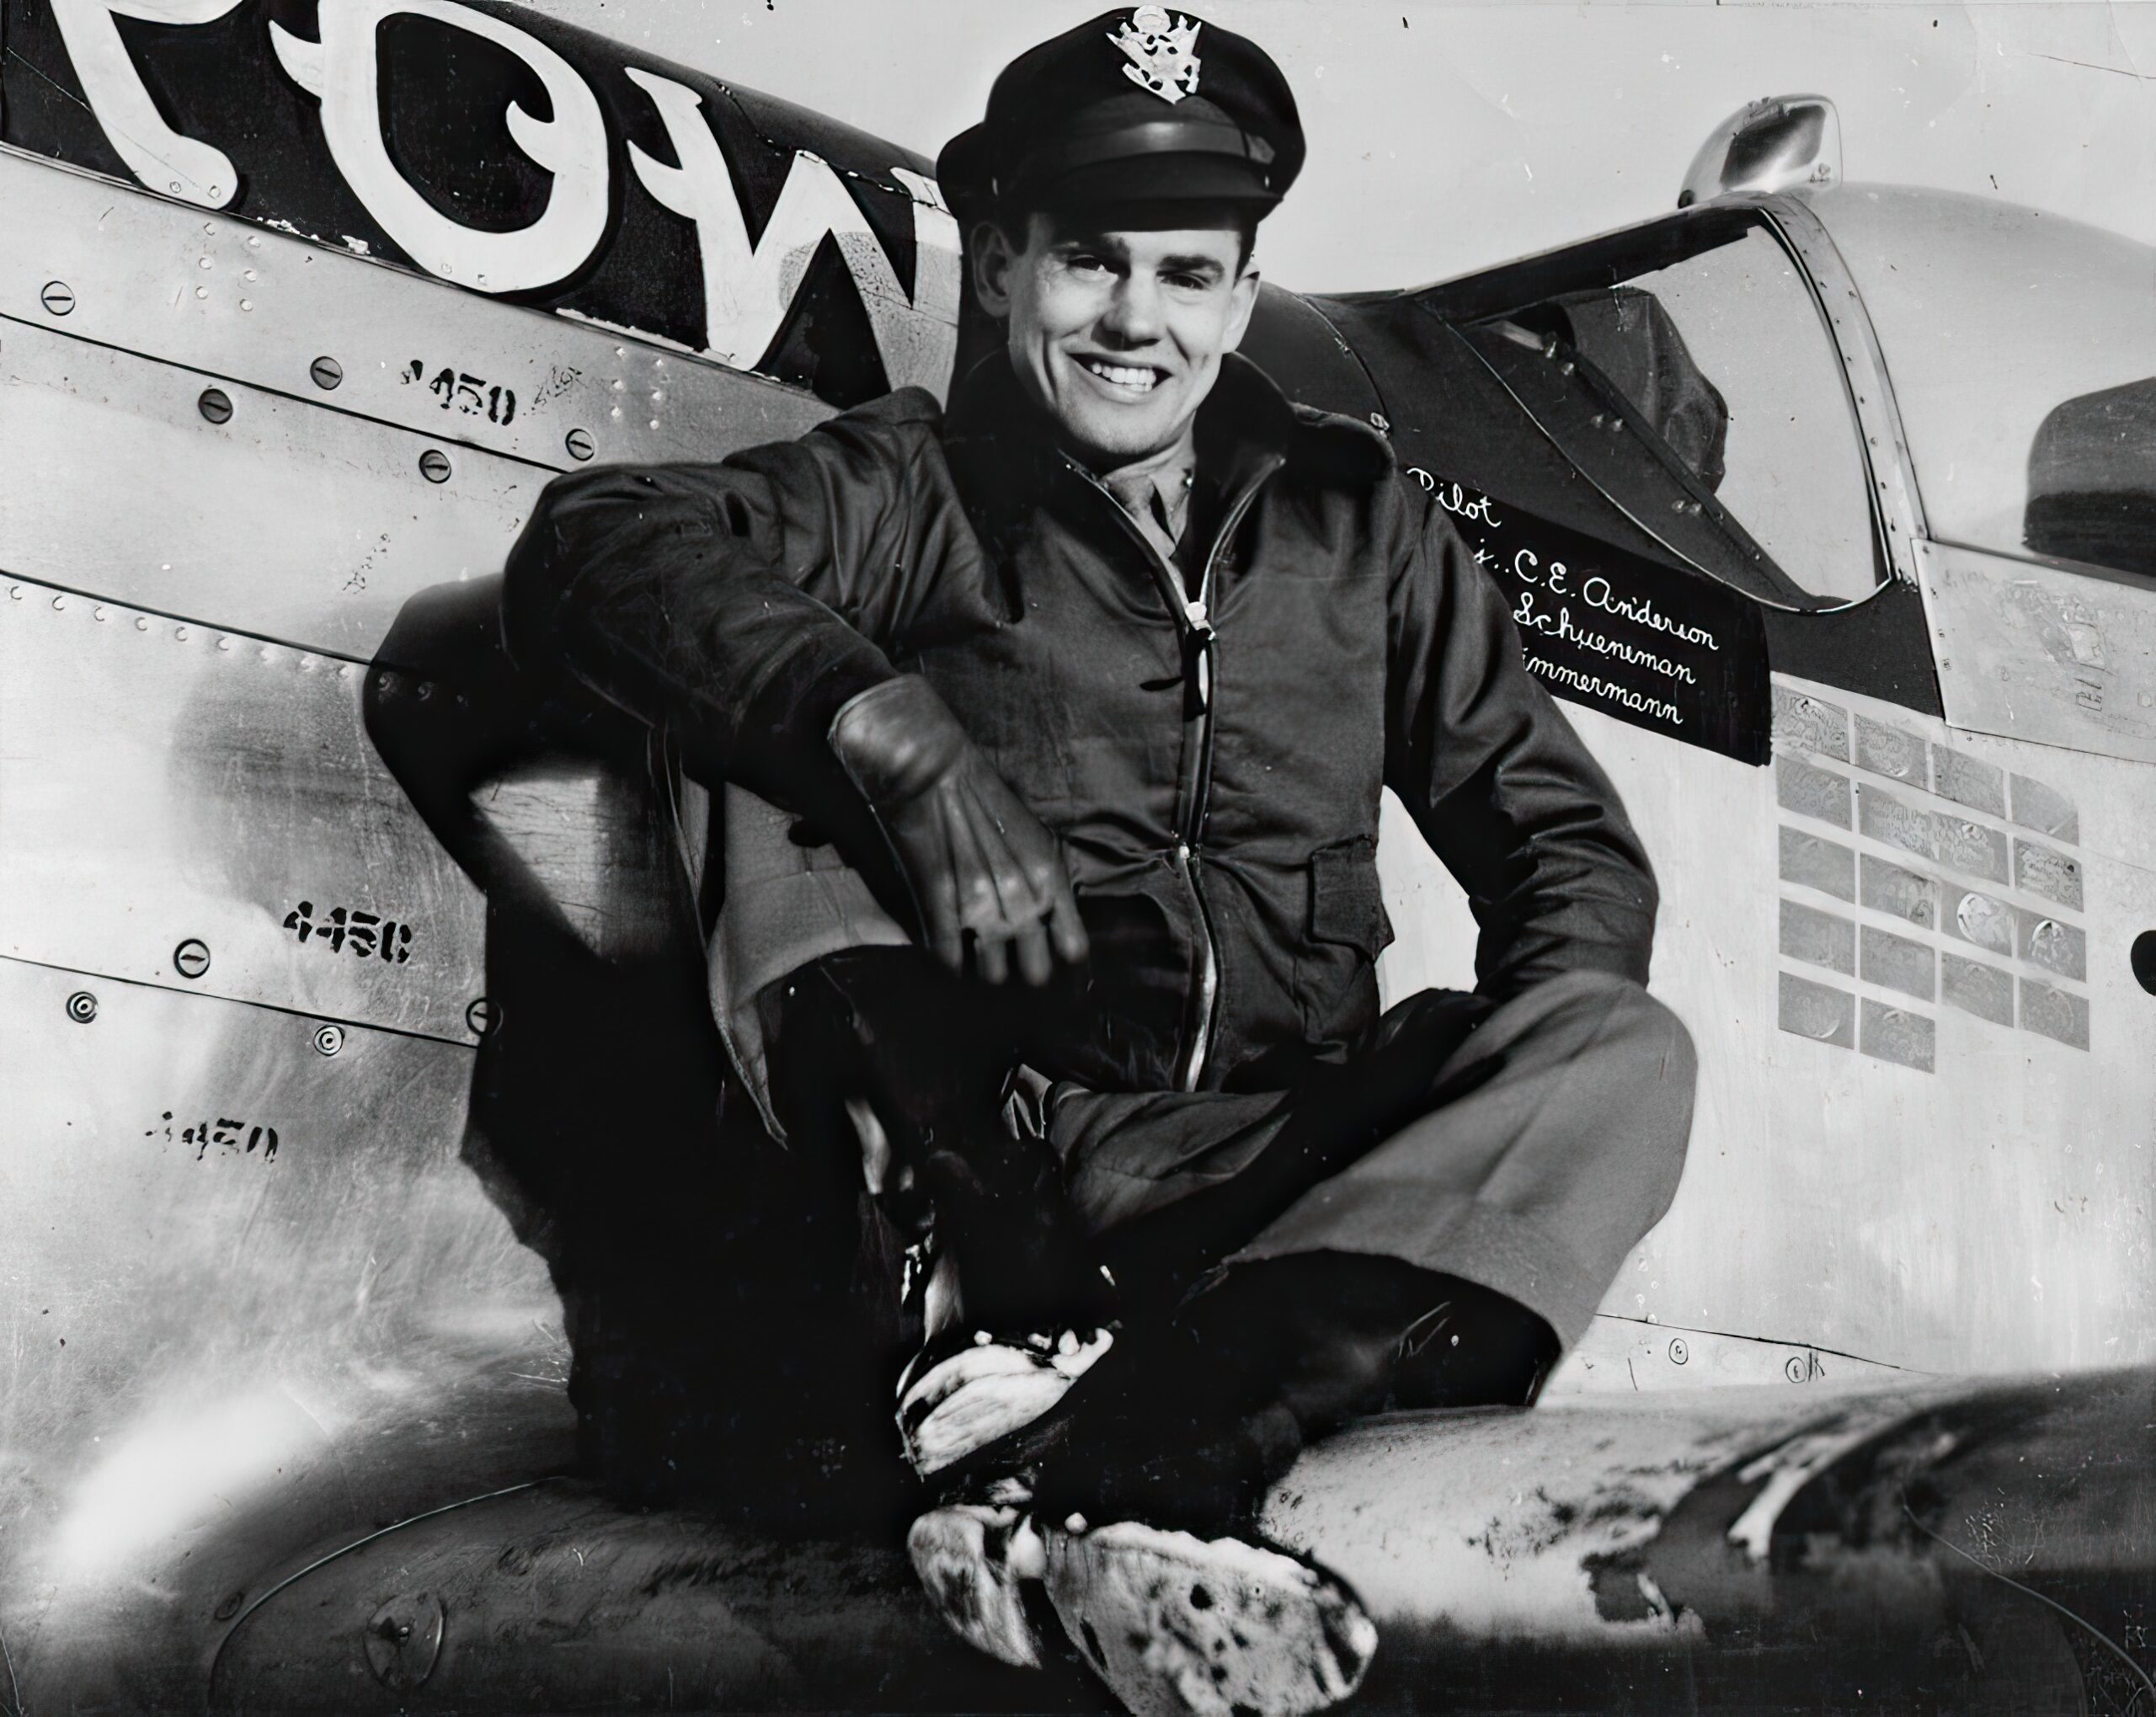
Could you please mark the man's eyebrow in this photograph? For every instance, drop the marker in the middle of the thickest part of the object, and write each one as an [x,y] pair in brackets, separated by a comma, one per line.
[1193,265]
[1098,241]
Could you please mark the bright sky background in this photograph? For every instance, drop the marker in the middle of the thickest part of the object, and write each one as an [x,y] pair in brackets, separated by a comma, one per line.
[1444,137]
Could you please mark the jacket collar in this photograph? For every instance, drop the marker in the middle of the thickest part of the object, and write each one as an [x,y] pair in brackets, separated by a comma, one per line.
[1244,428]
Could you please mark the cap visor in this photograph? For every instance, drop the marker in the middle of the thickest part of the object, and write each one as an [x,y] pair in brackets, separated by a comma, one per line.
[1158,179]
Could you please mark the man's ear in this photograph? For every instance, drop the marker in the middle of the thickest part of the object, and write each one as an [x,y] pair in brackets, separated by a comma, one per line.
[993,260]
[1245,291]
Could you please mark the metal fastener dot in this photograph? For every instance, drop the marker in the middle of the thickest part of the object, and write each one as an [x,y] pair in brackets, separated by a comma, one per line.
[327,372]
[579,443]
[433,465]
[191,958]
[81,1007]
[58,297]
[328,1039]
[216,405]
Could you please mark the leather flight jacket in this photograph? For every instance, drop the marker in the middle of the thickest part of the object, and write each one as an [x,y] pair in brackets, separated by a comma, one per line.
[1207,738]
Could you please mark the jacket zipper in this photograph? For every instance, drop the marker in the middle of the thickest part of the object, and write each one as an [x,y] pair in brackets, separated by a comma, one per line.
[1194,619]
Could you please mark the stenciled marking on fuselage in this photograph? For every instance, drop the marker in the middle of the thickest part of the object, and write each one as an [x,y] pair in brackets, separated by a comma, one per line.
[232,1137]
[351,930]
[472,395]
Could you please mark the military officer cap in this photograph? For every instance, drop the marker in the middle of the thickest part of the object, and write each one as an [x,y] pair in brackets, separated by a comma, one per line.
[1142,106]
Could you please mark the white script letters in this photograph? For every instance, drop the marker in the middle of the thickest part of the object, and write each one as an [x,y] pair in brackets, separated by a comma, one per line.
[748,288]
[342,71]
[155,153]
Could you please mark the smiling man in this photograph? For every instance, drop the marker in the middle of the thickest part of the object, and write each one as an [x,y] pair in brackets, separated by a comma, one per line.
[1054,729]
[1118,335]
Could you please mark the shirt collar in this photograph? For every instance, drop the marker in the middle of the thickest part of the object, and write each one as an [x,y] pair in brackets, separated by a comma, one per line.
[1244,426]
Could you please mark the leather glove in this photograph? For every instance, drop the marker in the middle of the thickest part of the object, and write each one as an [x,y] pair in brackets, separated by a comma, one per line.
[979,863]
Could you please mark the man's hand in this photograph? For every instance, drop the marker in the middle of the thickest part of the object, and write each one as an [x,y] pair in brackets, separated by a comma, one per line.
[979,863]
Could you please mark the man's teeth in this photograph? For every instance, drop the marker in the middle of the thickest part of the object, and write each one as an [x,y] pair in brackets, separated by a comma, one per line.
[1123,375]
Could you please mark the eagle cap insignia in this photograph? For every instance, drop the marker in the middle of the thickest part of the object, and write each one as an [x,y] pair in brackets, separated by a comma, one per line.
[1162,51]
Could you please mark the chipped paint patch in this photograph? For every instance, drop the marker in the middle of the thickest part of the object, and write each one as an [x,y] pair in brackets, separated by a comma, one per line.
[1812,792]
[1895,823]
[2054,1013]
[1808,1010]
[1805,724]
[1977,989]
[1896,1035]
[2045,809]
[1891,752]
[2042,869]
[1818,938]
[1896,963]
[1968,780]
[1906,895]
[1813,862]
[1781,1473]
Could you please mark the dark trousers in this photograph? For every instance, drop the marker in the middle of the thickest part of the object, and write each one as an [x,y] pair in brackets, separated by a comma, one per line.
[1524,1146]
[1526,1155]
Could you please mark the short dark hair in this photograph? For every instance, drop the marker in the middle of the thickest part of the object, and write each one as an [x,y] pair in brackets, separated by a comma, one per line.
[1242,217]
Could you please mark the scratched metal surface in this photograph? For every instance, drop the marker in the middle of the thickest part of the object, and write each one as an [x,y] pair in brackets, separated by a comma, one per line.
[226,797]
[2039,653]
[230,299]
[223,792]
[1629,1354]
[286,518]
[1985,1209]
[1738,1549]
[1971,1194]
[254,1300]
[1990,315]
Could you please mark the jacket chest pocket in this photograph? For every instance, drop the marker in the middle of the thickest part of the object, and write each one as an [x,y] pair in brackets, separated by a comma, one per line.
[1347,907]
